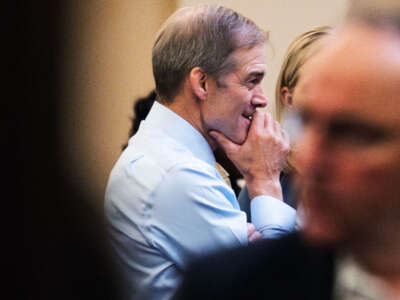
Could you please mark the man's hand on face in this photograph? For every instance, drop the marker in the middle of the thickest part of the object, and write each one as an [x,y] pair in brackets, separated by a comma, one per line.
[261,157]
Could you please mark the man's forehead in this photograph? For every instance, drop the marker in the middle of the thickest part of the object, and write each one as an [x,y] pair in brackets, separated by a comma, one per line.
[254,56]
[358,59]
[358,74]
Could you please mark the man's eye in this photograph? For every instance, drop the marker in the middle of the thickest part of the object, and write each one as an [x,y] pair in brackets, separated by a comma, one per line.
[358,135]
[252,83]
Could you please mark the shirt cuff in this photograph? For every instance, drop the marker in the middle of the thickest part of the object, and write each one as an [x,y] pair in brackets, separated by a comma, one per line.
[272,217]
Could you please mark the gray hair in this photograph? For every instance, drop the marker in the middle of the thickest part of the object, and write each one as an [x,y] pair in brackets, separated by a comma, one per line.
[203,36]
[382,13]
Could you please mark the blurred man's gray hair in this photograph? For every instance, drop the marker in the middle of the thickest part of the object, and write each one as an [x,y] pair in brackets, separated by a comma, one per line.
[376,12]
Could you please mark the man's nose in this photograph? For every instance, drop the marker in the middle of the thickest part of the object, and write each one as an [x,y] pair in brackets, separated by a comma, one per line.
[259,99]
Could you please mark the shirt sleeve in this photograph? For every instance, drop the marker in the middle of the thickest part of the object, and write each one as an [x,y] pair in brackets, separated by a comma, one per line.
[195,213]
[272,217]
[269,215]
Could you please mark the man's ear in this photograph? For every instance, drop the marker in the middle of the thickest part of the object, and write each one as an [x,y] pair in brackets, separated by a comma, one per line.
[286,97]
[198,82]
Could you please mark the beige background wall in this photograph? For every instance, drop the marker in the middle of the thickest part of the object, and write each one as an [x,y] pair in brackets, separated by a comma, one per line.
[108,65]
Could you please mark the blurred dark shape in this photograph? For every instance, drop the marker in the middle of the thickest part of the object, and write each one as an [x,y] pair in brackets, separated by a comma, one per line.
[65,254]
[284,268]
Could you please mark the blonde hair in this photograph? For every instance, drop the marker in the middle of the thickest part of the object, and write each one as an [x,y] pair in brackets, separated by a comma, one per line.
[296,55]
[298,52]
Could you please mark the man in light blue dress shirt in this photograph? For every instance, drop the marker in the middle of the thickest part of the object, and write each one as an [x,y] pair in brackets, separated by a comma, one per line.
[165,201]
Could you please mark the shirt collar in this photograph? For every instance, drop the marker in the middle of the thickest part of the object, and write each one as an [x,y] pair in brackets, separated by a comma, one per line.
[163,119]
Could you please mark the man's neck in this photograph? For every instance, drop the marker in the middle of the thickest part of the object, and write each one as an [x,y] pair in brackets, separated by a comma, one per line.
[189,109]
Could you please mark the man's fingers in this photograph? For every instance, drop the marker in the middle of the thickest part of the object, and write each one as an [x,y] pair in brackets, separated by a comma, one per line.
[286,138]
[258,118]
[277,126]
[258,123]
[255,237]
[250,229]
[268,120]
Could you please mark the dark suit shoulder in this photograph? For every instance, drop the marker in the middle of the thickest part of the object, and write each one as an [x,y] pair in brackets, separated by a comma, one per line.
[279,268]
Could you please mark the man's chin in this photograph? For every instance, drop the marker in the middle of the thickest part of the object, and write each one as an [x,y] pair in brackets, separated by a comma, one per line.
[236,137]
[239,139]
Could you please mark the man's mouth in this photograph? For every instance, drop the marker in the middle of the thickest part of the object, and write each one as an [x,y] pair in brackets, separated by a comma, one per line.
[248,116]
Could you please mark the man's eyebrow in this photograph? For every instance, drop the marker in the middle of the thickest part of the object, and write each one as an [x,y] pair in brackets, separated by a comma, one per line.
[255,74]
[258,73]
[361,124]
[346,121]
[354,119]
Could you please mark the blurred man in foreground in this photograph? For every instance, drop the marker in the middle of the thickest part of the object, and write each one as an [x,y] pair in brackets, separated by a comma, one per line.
[349,159]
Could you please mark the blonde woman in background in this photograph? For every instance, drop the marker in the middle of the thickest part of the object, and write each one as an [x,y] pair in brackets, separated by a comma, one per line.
[297,54]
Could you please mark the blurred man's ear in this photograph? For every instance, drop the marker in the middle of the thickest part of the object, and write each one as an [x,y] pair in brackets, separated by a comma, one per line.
[286,97]
[198,82]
